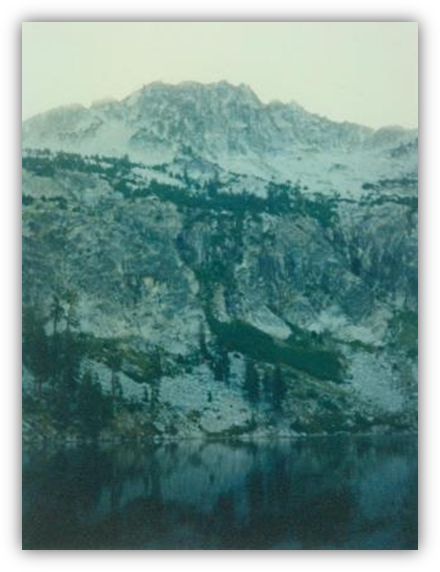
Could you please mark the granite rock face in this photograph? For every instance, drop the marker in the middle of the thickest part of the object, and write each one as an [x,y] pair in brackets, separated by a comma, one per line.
[203,290]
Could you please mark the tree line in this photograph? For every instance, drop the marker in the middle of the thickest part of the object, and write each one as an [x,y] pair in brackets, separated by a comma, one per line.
[52,351]
[270,388]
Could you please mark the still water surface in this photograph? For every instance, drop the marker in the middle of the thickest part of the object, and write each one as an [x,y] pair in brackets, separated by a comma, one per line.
[338,493]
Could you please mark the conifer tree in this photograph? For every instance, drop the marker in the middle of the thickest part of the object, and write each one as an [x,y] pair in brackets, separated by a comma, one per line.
[251,382]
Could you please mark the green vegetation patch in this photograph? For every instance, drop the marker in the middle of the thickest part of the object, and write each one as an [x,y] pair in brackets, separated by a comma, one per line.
[404,328]
[244,338]
[141,366]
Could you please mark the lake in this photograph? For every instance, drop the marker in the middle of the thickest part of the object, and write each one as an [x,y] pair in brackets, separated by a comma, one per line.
[332,493]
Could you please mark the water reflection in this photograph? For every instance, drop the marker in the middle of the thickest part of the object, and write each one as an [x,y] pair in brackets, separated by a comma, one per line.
[335,493]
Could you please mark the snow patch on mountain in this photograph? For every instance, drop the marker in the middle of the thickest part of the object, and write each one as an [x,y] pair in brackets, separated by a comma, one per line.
[229,126]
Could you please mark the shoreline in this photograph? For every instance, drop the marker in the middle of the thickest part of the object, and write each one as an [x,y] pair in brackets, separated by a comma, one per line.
[204,440]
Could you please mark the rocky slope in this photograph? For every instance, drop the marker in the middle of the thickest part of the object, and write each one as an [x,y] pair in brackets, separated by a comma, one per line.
[191,288]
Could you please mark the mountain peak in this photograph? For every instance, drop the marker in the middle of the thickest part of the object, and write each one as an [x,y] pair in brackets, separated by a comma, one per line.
[204,99]
[221,122]
[221,87]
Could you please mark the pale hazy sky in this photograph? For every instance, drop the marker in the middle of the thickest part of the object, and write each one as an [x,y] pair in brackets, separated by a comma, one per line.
[361,72]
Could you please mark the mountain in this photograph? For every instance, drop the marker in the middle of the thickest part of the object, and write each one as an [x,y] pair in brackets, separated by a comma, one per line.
[228,125]
[197,263]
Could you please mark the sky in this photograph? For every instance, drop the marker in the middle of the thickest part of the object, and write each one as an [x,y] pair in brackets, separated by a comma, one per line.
[356,71]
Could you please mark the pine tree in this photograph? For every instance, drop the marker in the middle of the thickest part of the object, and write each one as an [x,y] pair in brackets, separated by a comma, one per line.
[157,372]
[221,366]
[66,379]
[278,388]
[115,363]
[251,384]
[94,409]
[36,348]
[72,321]
[267,386]
[56,313]
[202,343]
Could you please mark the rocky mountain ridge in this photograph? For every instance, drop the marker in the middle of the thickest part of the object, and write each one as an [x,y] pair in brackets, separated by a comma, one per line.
[179,297]
[228,125]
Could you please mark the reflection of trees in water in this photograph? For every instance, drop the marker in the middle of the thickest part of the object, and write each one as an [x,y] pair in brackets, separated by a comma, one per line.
[318,493]
[59,491]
